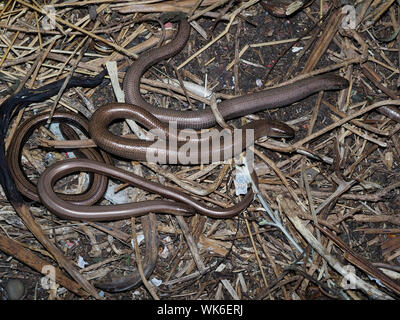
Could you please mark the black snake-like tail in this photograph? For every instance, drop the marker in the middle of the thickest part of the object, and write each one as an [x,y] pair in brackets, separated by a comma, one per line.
[20,100]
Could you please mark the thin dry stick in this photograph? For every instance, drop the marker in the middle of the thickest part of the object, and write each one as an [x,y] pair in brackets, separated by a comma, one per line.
[255,252]
[5,7]
[38,31]
[42,58]
[90,34]
[281,176]
[342,188]
[381,10]
[18,251]
[205,10]
[192,244]
[163,6]
[190,185]
[374,197]
[86,20]
[361,13]
[298,145]
[330,68]
[27,217]
[74,52]
[362,134]
[233,16]
[8,49]
[322,44]
[21,112]
[139,262]
[261,241]
[290,208]
[263,44]
[194,8]
[64,85]
[310,200]
[55,33]
[356,122]
[348,118]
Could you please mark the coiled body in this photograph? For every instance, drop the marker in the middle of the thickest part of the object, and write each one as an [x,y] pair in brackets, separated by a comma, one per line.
[229,109]
[157,118]
[175,202]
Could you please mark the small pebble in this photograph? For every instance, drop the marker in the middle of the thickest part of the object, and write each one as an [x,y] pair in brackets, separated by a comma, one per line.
[15,289]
